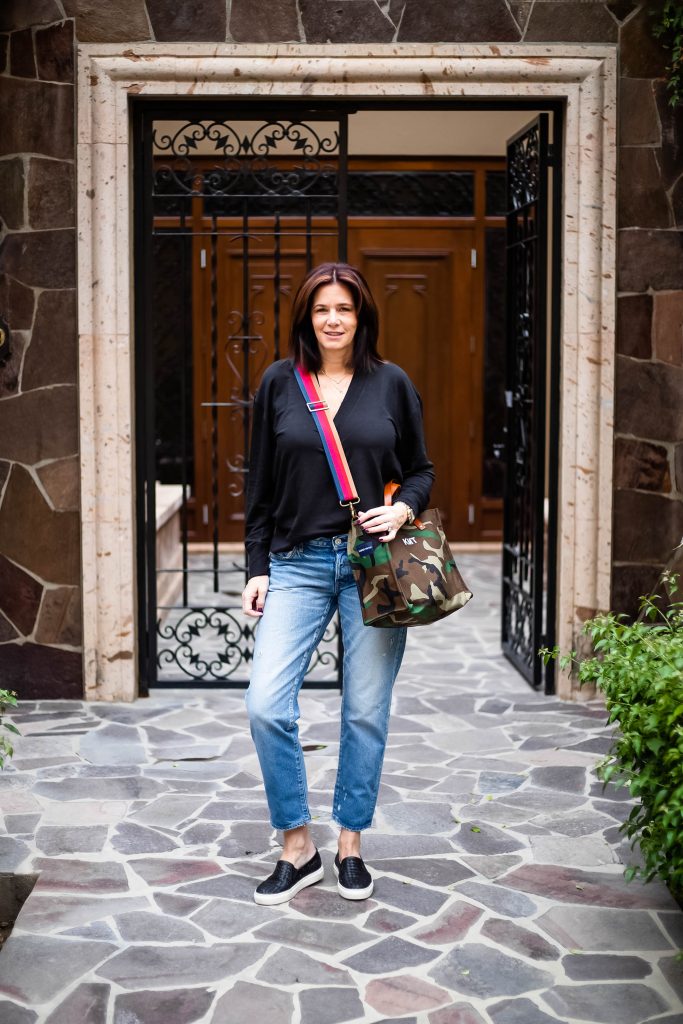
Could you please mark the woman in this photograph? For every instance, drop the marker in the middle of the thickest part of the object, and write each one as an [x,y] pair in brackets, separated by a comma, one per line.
[299,574]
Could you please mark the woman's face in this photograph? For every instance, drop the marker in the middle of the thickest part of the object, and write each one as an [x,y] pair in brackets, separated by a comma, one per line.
[334,320]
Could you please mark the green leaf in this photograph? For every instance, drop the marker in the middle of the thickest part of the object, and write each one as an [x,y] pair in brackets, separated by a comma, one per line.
[638,667]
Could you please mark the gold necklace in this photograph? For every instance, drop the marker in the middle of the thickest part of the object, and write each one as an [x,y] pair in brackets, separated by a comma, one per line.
[341,385]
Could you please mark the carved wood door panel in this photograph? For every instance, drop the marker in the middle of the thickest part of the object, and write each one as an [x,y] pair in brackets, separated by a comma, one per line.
[421,278]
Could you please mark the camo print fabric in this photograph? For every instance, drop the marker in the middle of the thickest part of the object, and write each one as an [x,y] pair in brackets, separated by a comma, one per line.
[409,581]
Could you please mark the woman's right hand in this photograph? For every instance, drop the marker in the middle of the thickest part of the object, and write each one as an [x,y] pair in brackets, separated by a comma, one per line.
[254,596]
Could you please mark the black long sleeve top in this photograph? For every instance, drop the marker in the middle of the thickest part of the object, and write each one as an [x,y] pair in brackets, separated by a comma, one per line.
[291,495]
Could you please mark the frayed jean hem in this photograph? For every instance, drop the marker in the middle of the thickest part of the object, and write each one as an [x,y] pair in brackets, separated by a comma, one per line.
[351,828]
[287,828]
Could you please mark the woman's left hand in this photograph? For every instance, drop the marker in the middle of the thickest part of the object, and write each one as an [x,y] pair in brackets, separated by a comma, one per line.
[386,519]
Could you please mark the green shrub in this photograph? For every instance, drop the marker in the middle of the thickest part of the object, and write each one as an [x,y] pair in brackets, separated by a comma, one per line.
[667,26]
[638,666]
[8,699]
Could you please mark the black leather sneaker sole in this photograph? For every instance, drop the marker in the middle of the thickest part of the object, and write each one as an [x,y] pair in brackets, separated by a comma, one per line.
[286,881]
[354,881]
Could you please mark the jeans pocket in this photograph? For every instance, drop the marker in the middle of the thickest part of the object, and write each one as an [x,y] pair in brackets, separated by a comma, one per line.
[287,556]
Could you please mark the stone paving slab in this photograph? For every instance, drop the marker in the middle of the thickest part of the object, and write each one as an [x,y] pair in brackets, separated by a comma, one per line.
[499,893]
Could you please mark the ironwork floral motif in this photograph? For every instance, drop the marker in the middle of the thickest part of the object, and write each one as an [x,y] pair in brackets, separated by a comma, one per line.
[251,157]
[212,644]
[523,169]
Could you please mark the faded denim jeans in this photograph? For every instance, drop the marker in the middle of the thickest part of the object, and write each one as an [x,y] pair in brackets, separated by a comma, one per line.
[307,585]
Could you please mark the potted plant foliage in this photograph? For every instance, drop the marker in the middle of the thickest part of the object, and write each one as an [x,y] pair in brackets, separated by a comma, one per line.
[638,667]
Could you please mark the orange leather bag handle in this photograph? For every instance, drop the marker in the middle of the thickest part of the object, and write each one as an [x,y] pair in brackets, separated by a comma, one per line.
[390,490]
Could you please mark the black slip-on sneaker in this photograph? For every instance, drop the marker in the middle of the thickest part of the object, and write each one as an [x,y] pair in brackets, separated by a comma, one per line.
[286,881]
[354,881]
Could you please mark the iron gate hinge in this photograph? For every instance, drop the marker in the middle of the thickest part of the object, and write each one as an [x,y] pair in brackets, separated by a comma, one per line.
[473,257]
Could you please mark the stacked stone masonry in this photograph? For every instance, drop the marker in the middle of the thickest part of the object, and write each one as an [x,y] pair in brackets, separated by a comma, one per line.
[39,519]
[40,622]
[648,508]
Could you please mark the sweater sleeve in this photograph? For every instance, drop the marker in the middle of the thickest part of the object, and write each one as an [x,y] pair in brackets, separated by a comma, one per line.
[259,510]
[418,470]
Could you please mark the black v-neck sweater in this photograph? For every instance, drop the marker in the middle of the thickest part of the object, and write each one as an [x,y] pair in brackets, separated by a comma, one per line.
[291,495]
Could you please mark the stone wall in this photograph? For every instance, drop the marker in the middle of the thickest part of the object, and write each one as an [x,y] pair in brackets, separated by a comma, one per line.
[40,620]
[648,499]
[39,551]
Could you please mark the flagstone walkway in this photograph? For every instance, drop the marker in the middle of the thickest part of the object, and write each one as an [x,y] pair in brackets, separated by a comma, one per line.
[499,896]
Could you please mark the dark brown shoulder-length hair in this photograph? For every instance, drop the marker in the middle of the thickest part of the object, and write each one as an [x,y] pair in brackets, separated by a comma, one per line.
[303,344]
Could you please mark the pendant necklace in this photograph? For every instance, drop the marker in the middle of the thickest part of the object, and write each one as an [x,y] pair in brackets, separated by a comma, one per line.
[340,386]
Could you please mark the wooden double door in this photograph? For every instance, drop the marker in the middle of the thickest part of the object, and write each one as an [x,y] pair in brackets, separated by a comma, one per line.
[423,276]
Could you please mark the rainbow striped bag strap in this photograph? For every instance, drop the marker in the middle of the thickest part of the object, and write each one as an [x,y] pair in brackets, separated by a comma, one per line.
[332,446]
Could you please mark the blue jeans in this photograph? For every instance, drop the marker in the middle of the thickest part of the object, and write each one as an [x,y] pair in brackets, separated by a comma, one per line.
[307,585]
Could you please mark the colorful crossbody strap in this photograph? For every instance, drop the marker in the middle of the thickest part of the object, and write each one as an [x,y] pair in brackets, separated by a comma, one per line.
[332,446]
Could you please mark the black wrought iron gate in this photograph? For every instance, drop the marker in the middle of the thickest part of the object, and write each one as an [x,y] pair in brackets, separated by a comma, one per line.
[530,505]
[225,187]
[259,190]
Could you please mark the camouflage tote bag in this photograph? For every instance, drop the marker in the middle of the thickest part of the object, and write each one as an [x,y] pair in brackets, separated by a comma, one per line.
[410,581]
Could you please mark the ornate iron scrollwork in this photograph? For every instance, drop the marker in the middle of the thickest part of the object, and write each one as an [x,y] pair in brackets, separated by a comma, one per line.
[523,538]
[523,169]
[208,643]
[370,194]
[251,157]
[212,644]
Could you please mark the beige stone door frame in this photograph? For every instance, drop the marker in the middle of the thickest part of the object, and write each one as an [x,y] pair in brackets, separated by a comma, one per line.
[584,76]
